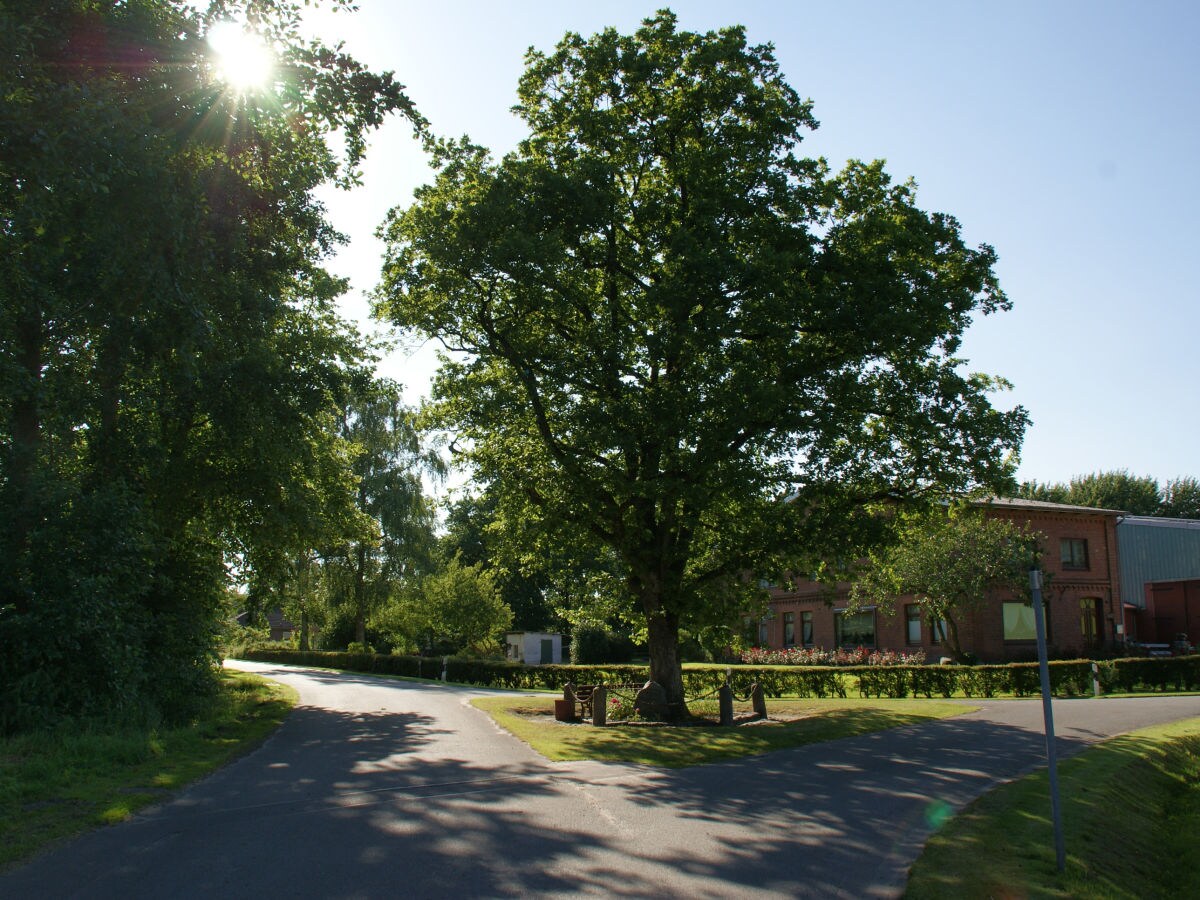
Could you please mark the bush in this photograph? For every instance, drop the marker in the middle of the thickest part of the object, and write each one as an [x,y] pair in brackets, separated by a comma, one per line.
[240,639]
[591,645]
[1067,678]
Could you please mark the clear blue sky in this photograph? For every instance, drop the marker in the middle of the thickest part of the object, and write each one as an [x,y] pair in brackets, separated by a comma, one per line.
[1065,134]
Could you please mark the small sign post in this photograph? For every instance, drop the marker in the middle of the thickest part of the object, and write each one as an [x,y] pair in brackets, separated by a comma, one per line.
[1039,618]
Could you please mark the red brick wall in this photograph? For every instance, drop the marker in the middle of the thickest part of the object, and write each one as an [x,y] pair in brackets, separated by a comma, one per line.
[982,631]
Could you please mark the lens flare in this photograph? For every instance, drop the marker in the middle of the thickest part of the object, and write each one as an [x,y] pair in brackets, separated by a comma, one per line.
[243,60]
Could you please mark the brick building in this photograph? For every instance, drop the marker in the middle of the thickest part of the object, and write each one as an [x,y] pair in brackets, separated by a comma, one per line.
[1082,596]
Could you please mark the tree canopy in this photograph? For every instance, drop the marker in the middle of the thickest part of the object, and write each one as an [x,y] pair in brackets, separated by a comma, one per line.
[171,362]
[1139,495]
[665,323]
[949,562]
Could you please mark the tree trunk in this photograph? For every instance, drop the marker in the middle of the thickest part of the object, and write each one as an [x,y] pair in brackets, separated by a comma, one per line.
[951,636]
[107,377]
[26,431]
[665,667]
[360,597]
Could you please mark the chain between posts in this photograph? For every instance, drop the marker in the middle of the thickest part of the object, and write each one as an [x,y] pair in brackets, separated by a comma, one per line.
[587,695]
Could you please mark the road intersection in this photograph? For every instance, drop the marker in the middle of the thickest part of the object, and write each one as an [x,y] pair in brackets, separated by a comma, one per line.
[385,788]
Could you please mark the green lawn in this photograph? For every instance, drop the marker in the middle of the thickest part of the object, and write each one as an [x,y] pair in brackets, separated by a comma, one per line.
[797,722]
[55,785]
[1131,819]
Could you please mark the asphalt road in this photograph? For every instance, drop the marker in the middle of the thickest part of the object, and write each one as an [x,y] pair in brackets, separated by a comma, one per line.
[377,788]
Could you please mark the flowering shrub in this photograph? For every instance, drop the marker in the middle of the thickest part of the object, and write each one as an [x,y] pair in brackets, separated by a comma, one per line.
[620,708]
[819,656]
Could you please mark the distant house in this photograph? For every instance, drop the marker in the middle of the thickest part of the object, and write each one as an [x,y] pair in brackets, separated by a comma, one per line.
[1160,578]
[534,648]
[1083,599]
[280,628]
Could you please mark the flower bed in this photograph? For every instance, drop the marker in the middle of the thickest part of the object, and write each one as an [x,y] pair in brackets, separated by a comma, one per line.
[819,656]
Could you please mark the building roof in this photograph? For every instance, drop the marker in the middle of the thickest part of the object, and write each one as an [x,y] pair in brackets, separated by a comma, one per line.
[1160,522]
[1046,506]
[1150,548]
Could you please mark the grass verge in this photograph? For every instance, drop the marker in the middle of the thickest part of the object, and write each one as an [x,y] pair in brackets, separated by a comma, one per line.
[57,784]
[794,723]
[1131,813]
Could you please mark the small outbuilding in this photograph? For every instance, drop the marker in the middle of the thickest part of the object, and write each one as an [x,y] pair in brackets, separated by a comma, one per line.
[1160,578]
[534,648]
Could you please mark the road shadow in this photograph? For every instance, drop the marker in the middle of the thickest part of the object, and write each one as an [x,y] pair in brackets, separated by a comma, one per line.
[846,817]
[338,805]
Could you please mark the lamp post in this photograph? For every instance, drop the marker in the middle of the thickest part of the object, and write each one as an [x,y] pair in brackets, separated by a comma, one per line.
[1035,584]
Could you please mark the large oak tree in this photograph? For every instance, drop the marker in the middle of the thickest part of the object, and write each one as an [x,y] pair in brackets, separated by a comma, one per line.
[668,323]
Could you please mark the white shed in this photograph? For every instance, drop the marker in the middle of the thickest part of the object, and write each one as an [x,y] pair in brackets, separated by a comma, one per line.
[534,648]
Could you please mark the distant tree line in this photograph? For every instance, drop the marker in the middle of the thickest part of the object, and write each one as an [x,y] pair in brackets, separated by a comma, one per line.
[1139,495]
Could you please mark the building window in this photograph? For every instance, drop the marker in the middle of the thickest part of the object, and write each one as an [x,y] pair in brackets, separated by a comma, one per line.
[1089,622]
[806,628]
[1018,622]
[854,629]
[789,630]
[912,624]
[1074,553]
[937,631]
[763,635]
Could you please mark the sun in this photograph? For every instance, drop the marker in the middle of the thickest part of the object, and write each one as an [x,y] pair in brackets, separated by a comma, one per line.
[243,60]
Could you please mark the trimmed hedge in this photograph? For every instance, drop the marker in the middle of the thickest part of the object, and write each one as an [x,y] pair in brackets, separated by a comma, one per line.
[1068,678]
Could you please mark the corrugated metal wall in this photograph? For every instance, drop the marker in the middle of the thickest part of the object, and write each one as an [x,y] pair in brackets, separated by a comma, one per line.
[1153,549]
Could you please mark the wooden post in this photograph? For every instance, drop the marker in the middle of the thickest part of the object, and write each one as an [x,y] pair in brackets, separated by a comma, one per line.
[725,699]
[567,709]
[757,699]
[1095,679]
[600,706]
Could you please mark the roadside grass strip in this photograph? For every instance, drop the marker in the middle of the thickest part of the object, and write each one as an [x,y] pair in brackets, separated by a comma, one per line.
[791,723]
[54,785]
[1131,820]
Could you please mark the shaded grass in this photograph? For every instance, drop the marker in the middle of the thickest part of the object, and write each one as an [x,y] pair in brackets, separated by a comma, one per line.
[1131,817]
[811,721]
[57,784]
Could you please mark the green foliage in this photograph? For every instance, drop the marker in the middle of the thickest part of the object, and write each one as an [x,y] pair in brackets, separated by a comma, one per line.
[593,644]
[171,365]
[949,561]
[670,322]
[1116,490]
[394,540]
[1181,499]
[455,610]
[1140,495]
[526,581]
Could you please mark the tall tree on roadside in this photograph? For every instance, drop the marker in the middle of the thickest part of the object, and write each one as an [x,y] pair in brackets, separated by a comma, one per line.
[170,360]
[473,535]
[666,323]
[395,537]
